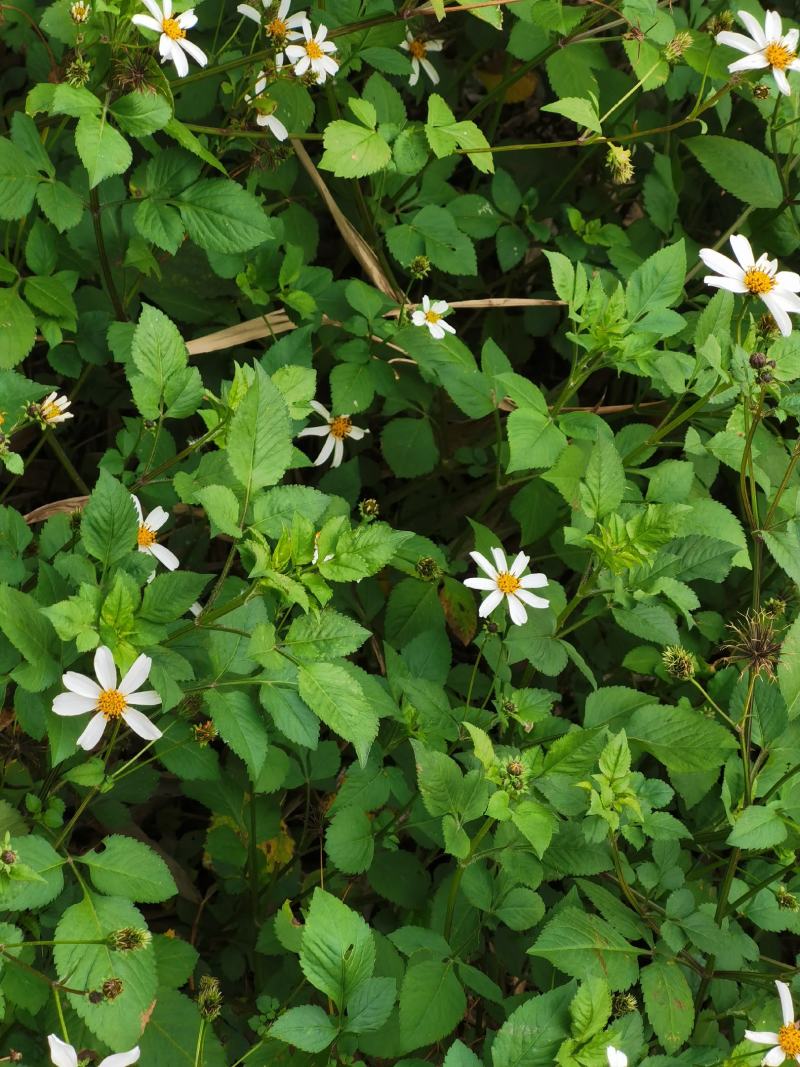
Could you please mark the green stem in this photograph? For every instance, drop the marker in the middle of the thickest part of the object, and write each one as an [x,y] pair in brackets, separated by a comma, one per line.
[66,462]
[105,265]
[459,874]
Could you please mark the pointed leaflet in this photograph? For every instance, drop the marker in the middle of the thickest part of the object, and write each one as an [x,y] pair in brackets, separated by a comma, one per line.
[260,437]
[337,951]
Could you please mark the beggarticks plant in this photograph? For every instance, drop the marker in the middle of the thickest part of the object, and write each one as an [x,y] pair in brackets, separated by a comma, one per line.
[318,801]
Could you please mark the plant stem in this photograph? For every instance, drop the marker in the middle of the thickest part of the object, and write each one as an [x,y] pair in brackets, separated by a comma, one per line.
[459,874]
[105,266]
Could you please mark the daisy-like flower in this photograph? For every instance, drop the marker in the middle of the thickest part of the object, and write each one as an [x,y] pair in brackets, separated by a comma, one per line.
[786,1043]
[758,277]
[79,11]
[615,1057]
[146,536]
[172,44]
[767,46]
[432,316]
[64,1055]
[265,107]
[53,409]
[278,23]
[314,54]
[335,430]
[418,48]
[507,581]
[107,699]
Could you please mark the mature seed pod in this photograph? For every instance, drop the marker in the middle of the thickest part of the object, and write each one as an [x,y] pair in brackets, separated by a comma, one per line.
[209,998]
[428,569]
[677,46]
[128,939]
[112,988]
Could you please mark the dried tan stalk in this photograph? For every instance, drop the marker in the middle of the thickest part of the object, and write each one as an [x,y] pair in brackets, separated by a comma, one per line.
[56,507]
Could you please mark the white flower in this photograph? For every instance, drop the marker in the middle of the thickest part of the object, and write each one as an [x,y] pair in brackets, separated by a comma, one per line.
[419,48]
[146,535]
[172,43]
[265,108]
[430,315]
[786,1043]
[615,1057]
[80,11]
[759,277]
[108,700]
[765,47]
[507,581]
[336,428]
[282,26]
[314,54]
[53,409]
[64,1055]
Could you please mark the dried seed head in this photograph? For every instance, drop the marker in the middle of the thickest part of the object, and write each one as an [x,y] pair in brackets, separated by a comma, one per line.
[761,92]
[204,732]
[78,72]
[129,938]
[209,998]
[786,900]
[623,1004]
[419,267]
[428,569]
[112,988]
[753,645]
[717,23]
[677,46]
[678,662]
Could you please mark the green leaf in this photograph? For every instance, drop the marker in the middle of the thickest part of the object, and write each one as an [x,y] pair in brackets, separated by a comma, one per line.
[370,1005]
[170,1037]
[32,634]
[582,111]
[337,950]
[307,1028]
[240,726]
[409,447]
[128,868]
[19,180]
[222,508]
[683,740]
[141,113]
[586,946]
[353,151]
[349,842]
[116,1022]
[157,348]
[758,827]
[739,168]
[789,670]
[260,436]
[326,636]
[221,216]
[445,135]
[109,523]
[336,697]
[669,1003]
[40,856]
[533,1033]
[171,594]
[432,1003]
[17,329]
[534,440]
[658,282]
[603,486]
[535,822]
[103,151]
[591,1008]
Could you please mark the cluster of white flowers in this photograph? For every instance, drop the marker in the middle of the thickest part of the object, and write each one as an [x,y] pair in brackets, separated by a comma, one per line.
[64,1055]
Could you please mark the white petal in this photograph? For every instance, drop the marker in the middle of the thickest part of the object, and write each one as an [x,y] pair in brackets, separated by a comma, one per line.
[141,725]
[327,46]
[446,326]
[534,581]
[295,52]
[779,313]
[772,26]
[80,684]
[774,1058]
[517,610]
[531,598]
[155,10]
[307,30]
[426,303]
[93,732]
[485,584]
[338,452]
[330,66]
[414,76]
[434,46]
[755,61]
[499,557]
[737,41]
[791,39]
[754,27]
[357,433]
[138,507]
[187,20]
[731,284]
[418,318]
[165,556]
[276,126]
[62,1054]
[743,251]
[104,669]
[121,1059]
[147,22]
[782,81]
[197,54]
[788,279]
[283,8]
[320,408]
[178,57]
[430,70]
[437,330]
[761,1037]
[784,993]
[520,563]
[136,675]
[156,519]
[322,33]
[315,431]
[249,12]
[615,1057]
[166,47]
[440,307]
[490,603]
[789,301]
[148,697]
[327,448]
[484,564]
[72,704]
[722,264]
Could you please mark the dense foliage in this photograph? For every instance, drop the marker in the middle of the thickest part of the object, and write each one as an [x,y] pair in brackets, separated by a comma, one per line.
[278,785]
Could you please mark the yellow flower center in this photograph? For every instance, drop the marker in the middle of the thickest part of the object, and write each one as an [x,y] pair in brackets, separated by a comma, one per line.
[789,1039]
[313,50]
[432,317]
[50,411]
[341,426]
[277,28]
[111,703]
[80,12]
[758,282]
[778,55]
[145,537]
[507,583]
[417,49]
[172,29]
